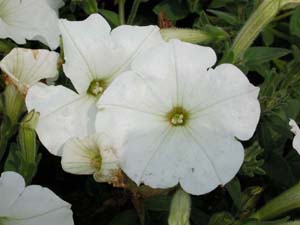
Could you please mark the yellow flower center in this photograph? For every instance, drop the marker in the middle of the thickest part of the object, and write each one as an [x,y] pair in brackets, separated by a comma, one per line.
[178,116]
[97,88]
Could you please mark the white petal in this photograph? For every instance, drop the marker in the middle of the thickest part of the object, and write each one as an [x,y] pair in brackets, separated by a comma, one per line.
[86,44]
[32,205]
[29,19]
[133,41]
[161,157]
[110,171]
[295,129]
[63,114]
[224,154]
[120,105]
[227,101]
[78,153]
[173,63]
[62,216]
[92,52]
[11,186]
[25,67]
[55,4]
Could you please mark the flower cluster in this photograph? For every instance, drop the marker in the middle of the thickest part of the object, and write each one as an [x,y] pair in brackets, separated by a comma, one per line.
[156,111]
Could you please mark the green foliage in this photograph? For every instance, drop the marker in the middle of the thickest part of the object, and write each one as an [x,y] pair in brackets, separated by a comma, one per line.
[295,22]
[253,166]
[23,157]
[128,217]
[173,9]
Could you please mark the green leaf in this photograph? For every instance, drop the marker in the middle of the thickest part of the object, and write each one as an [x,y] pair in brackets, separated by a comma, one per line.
[198,217]
[234,190]
[250,196]
[13,160]
[222,218]
[258,55]
[278,169]
[128,217]
[202,20]
[292,108]
[220,3]
[227,17]
[158,203]
[195,6]
[173,9]
[90,6]
[295,22]
[111,17]
[16,162]
[252,165]
[268,36]
[6,46]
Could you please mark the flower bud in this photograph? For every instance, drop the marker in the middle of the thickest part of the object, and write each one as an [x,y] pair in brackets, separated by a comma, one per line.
[180,208]
[259,19]
[27,136]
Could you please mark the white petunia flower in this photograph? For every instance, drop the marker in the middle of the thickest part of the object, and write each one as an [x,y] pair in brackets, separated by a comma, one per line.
[31,20]
[92,155]
[94,56]
[295,129]
[31,205]
[181,118]
[25,67]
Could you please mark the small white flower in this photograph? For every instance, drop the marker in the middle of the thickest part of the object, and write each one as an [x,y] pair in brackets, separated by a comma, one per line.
[94,56]
[31,205]
[31,20]
[181,120]
[92,155]
[25,67]
[295,129]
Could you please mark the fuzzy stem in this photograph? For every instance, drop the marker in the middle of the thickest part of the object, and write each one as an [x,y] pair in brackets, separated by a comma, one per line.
[188,35]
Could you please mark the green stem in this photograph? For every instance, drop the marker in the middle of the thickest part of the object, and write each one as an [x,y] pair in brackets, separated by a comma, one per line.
[259,19]
[283,15]
[122,11]
[133,11]
[285,202]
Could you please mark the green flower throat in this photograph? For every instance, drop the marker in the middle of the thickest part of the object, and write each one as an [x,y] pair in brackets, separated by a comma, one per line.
[96,88]
[178,116]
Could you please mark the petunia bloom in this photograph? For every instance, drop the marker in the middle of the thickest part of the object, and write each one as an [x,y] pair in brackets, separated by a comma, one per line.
[94,56]
[31,20]
[295,129]
[95,155]
[31,205]
[25,67]
[179,118]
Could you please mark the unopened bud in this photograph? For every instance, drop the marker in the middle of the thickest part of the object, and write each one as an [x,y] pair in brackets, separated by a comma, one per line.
[180,209]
